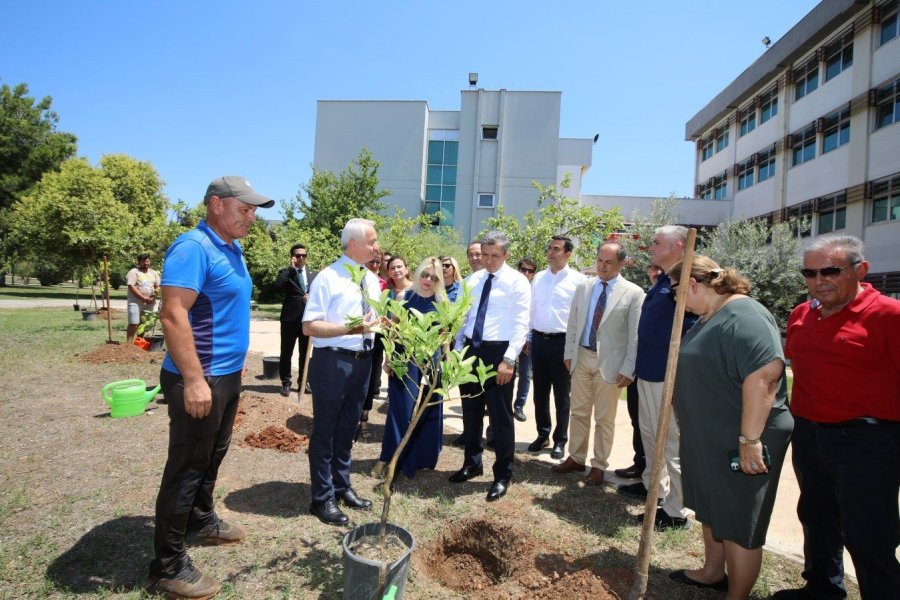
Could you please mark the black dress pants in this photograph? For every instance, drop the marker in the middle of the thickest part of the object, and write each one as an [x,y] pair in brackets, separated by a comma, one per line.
[498,399]
[292,335]
[636,442]
[549,371]
[196,449]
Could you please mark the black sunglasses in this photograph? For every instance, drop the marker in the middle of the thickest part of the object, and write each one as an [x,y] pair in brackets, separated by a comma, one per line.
[826,271]
[447,265]
[433,278]
[299,256]
[525,270]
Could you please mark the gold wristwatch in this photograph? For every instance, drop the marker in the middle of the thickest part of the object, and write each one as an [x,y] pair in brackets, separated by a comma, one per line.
[743,441]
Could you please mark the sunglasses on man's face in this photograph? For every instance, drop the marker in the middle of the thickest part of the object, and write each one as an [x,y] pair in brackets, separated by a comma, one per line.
[299,256]
[825,271]
[432,277]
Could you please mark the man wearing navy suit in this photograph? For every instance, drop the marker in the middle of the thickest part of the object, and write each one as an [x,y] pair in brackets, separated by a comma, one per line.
[294,281]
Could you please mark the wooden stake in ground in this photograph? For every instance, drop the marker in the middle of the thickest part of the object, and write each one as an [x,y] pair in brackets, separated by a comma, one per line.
[109,339]
[309,351]
[642,564]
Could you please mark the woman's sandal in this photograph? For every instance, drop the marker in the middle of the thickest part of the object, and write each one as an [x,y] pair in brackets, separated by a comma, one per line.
[681,577]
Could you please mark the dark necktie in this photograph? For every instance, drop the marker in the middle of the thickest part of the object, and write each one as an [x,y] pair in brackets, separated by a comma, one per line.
[300,281]
[478,330]
[598,316]
[366,309]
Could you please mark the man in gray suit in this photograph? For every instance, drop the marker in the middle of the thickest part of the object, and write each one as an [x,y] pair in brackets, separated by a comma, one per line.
[601,344]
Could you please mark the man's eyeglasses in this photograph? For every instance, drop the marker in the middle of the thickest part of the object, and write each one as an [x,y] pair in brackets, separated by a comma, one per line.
[525,270]
[299,256]
[826,271]
[431,276]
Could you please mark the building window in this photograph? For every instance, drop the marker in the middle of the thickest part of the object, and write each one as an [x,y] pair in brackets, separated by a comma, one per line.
[768,106]
[804,146]
[721,141]
[748,121]
[489,132]
[886,203]
[838,57]
[806,78]
[440,179]
[765,168]
[486,200]
[887,100]
[705,191]
[832,214]
[802,213]
[716,188]
[706,149]
[744,174]
[720,192]
[835,130]
[889,29]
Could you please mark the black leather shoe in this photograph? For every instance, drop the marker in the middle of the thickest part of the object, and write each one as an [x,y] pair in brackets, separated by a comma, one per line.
[539,444]
[467,473]
[632,472]
[636,491]
[519,415]
[489,445]
[559,450]
[498,490]
[353,501]
[328,512]
[459,442]
[285,390]
[663,521]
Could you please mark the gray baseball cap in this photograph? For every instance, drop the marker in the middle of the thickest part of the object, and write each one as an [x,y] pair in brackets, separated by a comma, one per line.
[235,186]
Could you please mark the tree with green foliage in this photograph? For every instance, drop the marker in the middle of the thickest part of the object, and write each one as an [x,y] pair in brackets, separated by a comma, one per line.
[638,236]
[414,238]
[331,200]
[30,145]
[138,186]
[770,257]
[557,214]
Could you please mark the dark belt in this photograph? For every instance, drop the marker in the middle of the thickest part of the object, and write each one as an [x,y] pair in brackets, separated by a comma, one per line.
[549,336]
[859,422]
[588,348]
[358,354]
[487,343]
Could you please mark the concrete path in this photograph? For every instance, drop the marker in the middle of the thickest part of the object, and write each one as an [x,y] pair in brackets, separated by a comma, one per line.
[785,534]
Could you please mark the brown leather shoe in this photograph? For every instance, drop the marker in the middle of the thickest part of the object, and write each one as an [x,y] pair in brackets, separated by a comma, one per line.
[188,583]
[568,466]
[220,532]
[595,477]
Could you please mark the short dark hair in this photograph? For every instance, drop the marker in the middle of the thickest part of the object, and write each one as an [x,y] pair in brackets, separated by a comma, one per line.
[568,245]
[143,256]
[621,253]
[526,261]
[296,247]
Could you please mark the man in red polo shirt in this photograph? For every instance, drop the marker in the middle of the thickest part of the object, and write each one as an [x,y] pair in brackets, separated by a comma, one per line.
[844,347]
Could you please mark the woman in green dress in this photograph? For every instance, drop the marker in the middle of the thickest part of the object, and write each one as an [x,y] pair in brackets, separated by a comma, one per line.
[731,404]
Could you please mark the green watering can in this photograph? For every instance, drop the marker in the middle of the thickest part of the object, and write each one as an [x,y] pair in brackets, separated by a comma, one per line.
[128,397]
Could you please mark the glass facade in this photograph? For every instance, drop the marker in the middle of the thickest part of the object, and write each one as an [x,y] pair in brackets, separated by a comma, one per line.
[440,181]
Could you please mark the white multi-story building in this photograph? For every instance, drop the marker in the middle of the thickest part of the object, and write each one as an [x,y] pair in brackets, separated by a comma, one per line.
[811,129]
[463,164]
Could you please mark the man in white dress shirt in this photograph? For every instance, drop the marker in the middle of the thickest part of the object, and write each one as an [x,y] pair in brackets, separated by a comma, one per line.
[339,369]
[601,345]
[494,332]
[551,299]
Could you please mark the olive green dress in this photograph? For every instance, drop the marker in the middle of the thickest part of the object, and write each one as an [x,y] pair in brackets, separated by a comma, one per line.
[715,358]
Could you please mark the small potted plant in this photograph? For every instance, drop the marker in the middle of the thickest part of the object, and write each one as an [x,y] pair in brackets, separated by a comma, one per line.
[147,330]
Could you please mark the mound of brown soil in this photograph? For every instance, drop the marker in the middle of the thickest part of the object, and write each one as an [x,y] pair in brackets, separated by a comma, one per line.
[278,438]
[581,584]
[119,354]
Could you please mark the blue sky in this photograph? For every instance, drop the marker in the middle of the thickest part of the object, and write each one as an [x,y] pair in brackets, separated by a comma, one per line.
[204,88]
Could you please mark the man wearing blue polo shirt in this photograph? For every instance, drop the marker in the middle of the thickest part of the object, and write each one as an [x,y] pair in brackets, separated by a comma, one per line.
[206,318]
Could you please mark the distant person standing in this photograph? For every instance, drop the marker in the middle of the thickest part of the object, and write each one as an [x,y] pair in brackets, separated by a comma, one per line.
[526,267]
[294,282]
[143,290]
[451,276]
[473,256]
[206,318]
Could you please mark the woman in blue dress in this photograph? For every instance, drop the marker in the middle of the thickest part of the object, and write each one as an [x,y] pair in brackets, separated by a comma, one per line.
[452,277]
[425,444]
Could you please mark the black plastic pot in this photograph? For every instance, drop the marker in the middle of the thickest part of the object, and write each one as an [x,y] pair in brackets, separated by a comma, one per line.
[156,342]
[77,307]
[89,315]
[361,575]
[270,367]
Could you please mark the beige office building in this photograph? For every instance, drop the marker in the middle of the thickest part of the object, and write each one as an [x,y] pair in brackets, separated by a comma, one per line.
[811,129]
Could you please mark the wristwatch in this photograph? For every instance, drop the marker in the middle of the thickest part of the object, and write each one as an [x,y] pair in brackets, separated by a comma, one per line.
[744,441]
[510,362]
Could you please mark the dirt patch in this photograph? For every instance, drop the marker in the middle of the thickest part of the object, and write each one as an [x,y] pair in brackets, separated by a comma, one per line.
[115,314]
[257,411]
[119,354]
[581,584]
[476,555]
[278,438]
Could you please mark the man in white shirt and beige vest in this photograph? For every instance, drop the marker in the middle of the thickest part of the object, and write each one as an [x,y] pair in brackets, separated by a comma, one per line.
[600,350]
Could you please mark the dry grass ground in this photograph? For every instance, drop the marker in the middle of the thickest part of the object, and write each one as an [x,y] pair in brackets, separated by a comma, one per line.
[77,491]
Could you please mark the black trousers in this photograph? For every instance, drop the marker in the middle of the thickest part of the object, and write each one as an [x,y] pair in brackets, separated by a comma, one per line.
[291,335]
[498,399]
[339,384]
[375,375]
[636,442]
[849,480]
[196,449]
[549,371]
